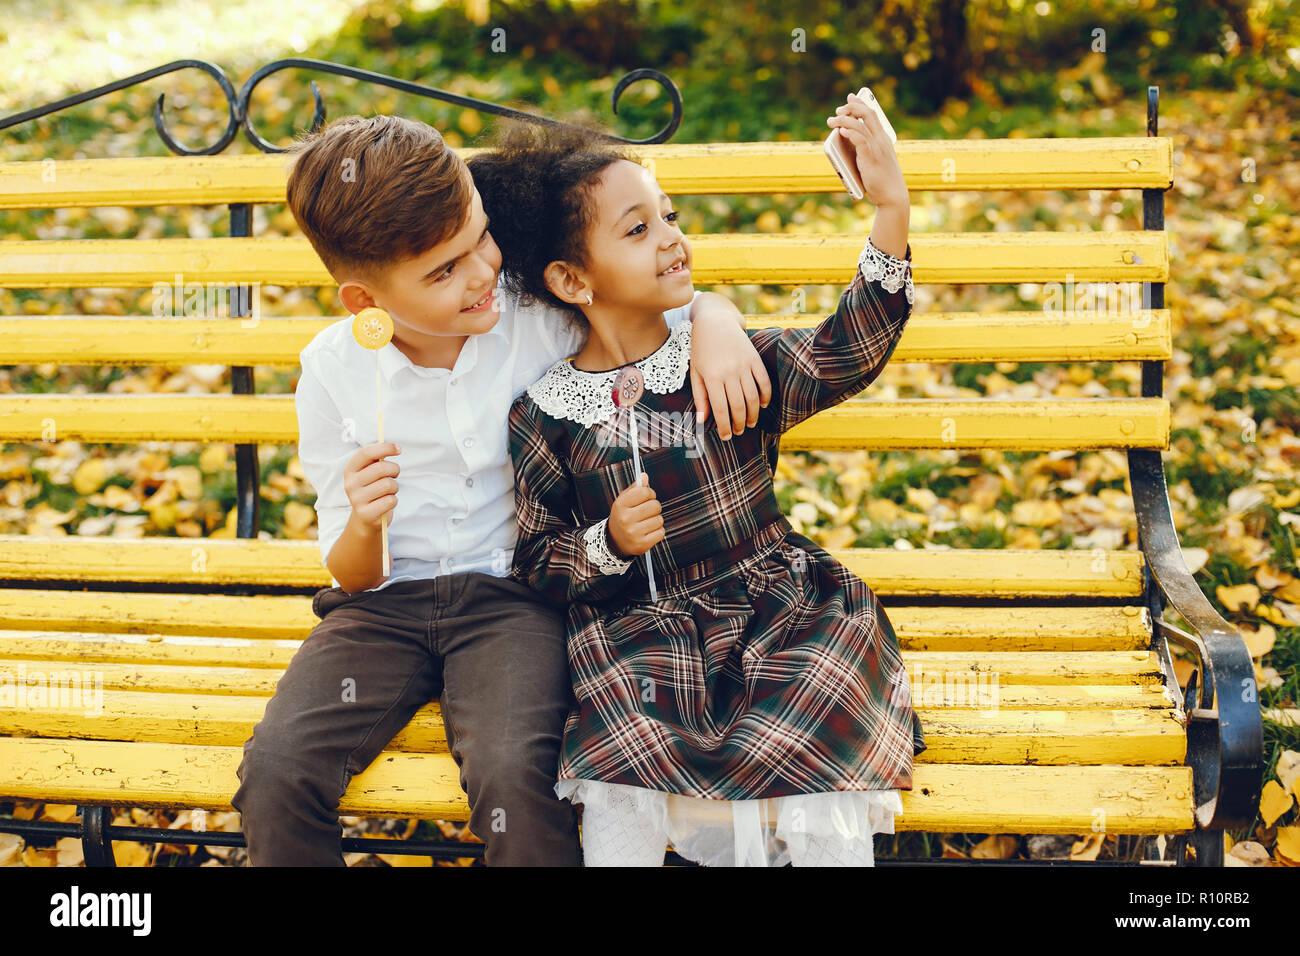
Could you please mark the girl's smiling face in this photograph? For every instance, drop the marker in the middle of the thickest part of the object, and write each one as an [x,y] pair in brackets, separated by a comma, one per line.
[637,260]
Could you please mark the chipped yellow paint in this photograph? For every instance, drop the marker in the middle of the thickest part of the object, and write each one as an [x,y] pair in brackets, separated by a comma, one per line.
[1106,336]
[979,572]
[945,798]
[76,617]
[995,735]
[288,617]
[1043,163]
[870,424]
[954,681]
[794,259]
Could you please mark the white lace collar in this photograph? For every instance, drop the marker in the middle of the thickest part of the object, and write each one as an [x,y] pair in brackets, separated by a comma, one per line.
[587,398]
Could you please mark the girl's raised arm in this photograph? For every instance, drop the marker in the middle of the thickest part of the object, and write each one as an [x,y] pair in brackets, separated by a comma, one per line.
[813,369]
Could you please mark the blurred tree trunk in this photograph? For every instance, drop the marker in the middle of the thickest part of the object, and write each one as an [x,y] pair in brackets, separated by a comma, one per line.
[947,72]
[1238,17]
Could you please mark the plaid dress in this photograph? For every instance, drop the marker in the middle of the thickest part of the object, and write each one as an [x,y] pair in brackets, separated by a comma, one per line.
[766,669]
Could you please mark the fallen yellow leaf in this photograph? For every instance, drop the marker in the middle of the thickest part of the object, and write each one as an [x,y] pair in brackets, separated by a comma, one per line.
[1288,770]
[404,859]
[62,812]
[70,852]
[1233,598]
[90,477]
[1088,847]
[996,846]
[1247,853]
[1259,640]
[1273,802]
[1288,845]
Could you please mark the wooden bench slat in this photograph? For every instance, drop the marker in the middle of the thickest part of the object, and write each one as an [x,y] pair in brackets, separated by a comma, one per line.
[978,572]
[736,258]
[239,681]
[690,168]
[170,650]
[945,798]
[1040,679]
[998,735]
[870,424]
[290,618]
[1115,336]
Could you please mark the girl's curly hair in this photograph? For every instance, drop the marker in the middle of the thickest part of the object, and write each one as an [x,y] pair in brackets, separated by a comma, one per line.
[536,186]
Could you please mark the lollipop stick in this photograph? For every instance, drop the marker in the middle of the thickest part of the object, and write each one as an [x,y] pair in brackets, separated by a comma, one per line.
[636,463]
[379,403]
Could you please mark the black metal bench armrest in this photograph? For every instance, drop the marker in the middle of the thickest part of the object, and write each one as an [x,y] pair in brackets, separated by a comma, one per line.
[1225,734]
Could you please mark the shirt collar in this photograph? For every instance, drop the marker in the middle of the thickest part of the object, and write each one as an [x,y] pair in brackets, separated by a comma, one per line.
[393,360]
[565,392]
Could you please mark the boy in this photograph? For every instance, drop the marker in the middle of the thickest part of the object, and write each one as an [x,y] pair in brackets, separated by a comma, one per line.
[394,216]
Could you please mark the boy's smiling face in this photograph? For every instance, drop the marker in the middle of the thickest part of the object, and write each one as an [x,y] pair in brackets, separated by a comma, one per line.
[440,296]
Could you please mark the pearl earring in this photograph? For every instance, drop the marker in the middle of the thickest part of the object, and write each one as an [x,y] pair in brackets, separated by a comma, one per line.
[588,298]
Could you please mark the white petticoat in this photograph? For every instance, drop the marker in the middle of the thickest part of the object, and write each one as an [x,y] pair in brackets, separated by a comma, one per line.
[767,832]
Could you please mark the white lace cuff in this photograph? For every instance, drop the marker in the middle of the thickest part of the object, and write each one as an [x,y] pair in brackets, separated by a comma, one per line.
[892,273]
[598,550]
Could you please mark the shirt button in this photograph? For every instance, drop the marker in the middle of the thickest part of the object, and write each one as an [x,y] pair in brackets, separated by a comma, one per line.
[469,443]
[469,482]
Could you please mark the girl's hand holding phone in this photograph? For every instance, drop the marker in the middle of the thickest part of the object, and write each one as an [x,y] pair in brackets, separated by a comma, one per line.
[873,152]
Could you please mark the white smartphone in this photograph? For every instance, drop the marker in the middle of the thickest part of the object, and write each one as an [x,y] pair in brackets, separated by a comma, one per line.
[840,153]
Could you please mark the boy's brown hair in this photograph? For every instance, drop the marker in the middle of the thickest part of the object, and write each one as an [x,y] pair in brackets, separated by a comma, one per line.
[371,191]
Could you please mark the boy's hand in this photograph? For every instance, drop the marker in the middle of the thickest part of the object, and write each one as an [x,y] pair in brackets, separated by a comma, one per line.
[727,376]
[636,522]
[371,483]
[873,152]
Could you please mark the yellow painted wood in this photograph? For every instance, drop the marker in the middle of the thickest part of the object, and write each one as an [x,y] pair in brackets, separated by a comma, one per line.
[200,560]
[953,734]
[1047,163]
[216,615]
[169,650]
[1087,336]
[871,424]
[945,798]
[1005,572]
[111,340]
[968,668]
[980,423]
[932,337]
[290,618]
[1000,257]
[142,418]
[1011,688]
[1020,628]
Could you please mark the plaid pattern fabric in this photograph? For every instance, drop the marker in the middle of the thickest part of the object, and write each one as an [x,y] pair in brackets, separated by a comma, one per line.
[766,668]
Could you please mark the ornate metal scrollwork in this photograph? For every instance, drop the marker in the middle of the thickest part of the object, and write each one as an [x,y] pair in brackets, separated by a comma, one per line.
[227,88]
[238,103]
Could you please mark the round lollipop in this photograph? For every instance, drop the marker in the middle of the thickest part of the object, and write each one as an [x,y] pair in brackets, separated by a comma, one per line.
[629,386]
[373,329]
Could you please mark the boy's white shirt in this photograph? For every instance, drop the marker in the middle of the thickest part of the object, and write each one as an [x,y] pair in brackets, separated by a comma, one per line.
[456,488]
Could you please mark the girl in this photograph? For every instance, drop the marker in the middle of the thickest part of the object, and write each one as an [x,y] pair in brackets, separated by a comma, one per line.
[758,712]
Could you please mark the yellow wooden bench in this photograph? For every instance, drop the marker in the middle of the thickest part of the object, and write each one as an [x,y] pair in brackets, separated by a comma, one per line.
[189,635]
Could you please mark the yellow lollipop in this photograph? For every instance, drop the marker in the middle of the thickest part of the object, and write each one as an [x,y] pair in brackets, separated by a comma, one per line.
[373,329]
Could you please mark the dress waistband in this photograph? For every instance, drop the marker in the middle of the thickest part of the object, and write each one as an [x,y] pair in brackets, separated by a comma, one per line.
[702,575]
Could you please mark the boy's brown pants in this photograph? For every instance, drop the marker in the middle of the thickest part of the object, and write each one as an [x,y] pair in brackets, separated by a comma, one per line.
[486,647]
